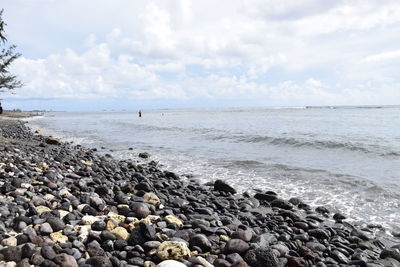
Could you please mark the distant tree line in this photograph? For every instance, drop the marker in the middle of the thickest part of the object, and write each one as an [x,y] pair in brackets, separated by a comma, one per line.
[8,81]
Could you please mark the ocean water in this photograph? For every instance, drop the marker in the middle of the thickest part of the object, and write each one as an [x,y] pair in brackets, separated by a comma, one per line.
[347,158]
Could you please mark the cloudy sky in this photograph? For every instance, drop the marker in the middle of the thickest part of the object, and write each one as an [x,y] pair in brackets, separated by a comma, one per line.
[129,54]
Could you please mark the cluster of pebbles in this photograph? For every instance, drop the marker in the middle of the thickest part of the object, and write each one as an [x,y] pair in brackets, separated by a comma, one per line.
[65,205]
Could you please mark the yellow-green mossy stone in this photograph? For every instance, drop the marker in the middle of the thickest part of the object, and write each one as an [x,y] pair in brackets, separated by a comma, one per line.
[172,250]
[41,209]
[151,198]
[58,237]
[120,233]
[173,220]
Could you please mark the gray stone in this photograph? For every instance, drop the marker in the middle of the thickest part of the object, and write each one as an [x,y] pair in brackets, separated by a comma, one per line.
[200,241]
[390,253]
[236,245]
[48,252]
[245,235]
[99,261]
[12,253]
[220,185]
[65,260]
[46,229]
[261,258]
[56,224]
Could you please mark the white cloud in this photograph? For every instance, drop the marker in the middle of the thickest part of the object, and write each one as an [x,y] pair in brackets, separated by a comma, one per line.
[267,50]
[385,56]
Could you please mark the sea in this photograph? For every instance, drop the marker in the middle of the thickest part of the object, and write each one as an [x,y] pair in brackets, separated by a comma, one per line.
[344,158]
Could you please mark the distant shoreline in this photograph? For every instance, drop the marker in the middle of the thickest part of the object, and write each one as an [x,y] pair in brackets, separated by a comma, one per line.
[20,114]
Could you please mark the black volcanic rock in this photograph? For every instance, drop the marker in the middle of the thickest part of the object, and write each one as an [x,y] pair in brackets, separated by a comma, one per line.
[220,185]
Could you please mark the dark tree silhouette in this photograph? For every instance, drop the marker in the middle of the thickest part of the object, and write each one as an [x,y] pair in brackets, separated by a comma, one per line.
[8,81]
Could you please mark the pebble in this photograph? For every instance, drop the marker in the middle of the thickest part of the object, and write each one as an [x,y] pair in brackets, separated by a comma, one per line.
[201,241]
[48,252]
[59,237]
[56,224]
[173,220]
[172,250]
[120,233]
[99,261]
[46,229]
[152,198]
[171,263]
[236,245]
[65,260]
[11,241]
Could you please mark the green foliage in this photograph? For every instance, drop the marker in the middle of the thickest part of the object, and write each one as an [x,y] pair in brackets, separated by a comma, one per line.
[8,81]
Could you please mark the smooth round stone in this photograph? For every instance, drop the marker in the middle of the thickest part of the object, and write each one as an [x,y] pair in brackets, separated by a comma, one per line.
[79,245]
[245,235]
[136,261]
[120,244]
[200,241]
[236,245]
[221,263]
[391,253]
[106,235]
[141,210]
[171,263]
[149,245]
[234,258]
[99,226]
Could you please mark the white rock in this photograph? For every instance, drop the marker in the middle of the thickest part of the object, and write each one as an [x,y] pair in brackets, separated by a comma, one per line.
[81,206]
[63,213]
[65,193]
[10,264]
[84,233]
[171,263]
[89,219]
[41,209]
[20,191]
[169,250]
[204,262]
[25,185]
[115,216]
[152,199]
[48,197]
[11,241]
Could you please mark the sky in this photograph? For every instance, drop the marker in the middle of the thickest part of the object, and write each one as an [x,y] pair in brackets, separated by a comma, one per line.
[134,54]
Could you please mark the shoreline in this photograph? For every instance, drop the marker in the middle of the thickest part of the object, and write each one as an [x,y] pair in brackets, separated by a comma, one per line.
[76,206]
[10,114]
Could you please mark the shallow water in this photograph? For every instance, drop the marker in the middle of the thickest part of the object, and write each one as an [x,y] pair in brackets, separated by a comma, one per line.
[345,158]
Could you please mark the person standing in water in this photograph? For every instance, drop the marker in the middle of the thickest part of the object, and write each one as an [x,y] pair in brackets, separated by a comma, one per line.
[140,113]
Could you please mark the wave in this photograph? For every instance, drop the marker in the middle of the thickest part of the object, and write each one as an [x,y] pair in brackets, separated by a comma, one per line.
[352,107]
[244,164]
[223,135]
[317,144]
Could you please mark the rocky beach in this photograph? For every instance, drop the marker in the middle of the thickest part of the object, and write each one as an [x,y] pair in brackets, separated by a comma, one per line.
[67,205]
